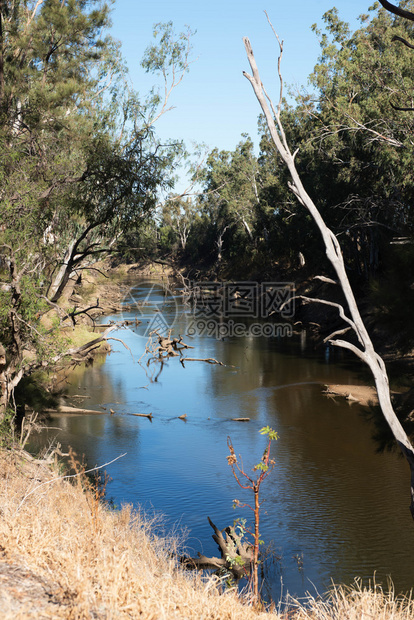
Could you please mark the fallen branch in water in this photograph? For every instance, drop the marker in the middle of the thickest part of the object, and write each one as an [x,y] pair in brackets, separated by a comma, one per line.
[209,360]
[143,415]
[66,409]
[236,556]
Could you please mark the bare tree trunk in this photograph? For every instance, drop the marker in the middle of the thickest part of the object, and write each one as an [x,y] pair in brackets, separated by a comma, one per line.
[365,349]
[62,274]
[247,228]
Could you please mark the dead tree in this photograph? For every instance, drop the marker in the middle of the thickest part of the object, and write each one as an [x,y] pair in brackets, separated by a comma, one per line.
[235,558]
[350,314]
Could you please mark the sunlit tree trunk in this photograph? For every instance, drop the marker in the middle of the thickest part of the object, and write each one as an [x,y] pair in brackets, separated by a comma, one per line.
[364,349]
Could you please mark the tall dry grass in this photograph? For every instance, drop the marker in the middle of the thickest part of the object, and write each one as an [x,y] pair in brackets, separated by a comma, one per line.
[108,564]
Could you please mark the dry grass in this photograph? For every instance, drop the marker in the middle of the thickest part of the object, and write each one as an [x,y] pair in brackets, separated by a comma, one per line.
[355,603]
[92,562]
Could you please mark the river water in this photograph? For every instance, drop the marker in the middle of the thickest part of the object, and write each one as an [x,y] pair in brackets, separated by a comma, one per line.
[335,508]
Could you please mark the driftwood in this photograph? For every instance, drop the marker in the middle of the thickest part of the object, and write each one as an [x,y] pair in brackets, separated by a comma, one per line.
[240,419]
[170,347]
[143,415]
[209,360]
[64,409]
[236,555]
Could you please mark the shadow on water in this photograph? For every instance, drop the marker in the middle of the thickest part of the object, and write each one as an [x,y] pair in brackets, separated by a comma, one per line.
[335,508]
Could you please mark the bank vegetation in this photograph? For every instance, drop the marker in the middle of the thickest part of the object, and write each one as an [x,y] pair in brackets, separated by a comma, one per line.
[66,554]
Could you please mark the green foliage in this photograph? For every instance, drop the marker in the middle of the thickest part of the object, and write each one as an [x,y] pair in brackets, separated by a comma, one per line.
[222,218]
[6,429]
[355,157]
[270,433]
[169,51]
[81,164]
[245,481]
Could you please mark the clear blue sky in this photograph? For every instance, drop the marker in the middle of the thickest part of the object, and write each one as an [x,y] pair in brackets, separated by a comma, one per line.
[215,104]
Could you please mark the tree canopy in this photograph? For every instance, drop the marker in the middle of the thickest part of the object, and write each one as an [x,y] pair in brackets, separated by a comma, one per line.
[355,151]
[80,161]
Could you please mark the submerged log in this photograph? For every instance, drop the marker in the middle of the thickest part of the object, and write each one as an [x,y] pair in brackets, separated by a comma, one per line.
[236,555]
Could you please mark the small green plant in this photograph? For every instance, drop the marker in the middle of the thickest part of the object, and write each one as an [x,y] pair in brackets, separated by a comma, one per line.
[245,481]
[7,429]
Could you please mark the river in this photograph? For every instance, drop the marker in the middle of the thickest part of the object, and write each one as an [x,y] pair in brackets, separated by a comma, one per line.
[335,507]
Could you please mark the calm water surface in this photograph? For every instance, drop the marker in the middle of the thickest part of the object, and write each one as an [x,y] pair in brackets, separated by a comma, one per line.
[332,499]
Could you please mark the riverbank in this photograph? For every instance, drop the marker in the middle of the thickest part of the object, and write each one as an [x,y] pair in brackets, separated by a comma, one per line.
[109,285]
[85,574]
[65,554]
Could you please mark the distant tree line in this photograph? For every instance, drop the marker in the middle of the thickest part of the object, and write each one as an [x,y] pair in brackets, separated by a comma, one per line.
[354,135]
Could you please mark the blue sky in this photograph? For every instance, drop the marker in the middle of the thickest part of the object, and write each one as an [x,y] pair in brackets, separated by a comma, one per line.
[215,103]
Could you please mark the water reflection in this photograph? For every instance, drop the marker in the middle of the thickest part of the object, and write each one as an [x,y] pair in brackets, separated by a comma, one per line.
[331,497]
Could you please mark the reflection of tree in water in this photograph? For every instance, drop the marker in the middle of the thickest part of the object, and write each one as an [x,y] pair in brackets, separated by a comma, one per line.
[260,364]
[97,383]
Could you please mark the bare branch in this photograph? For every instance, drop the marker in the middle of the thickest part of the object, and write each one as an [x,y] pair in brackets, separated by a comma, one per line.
[333,304]
[338,332]
[397,10]
[279,62]
[66,478]
[325,279]
[400,109]
[334,254]
[397,38]
[344,344]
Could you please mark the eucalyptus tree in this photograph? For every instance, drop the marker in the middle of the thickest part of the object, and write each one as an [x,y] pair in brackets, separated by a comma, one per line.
[178,216]
[361,79]
[231,185]
[80,160]
[356,146]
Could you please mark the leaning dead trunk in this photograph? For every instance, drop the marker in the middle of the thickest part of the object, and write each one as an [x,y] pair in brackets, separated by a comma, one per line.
[364,349]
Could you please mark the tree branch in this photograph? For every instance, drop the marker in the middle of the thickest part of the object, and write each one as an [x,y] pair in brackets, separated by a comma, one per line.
[397,10]
[334,254]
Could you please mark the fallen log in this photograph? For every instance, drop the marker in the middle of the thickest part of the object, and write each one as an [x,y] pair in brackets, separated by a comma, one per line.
[63,409]
[236,555]
[143,415]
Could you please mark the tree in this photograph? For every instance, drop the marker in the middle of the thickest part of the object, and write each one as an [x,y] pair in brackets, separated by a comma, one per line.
[245,481]
[355,148]
[177,219]
[230,196]
[80,163]
[362,347]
